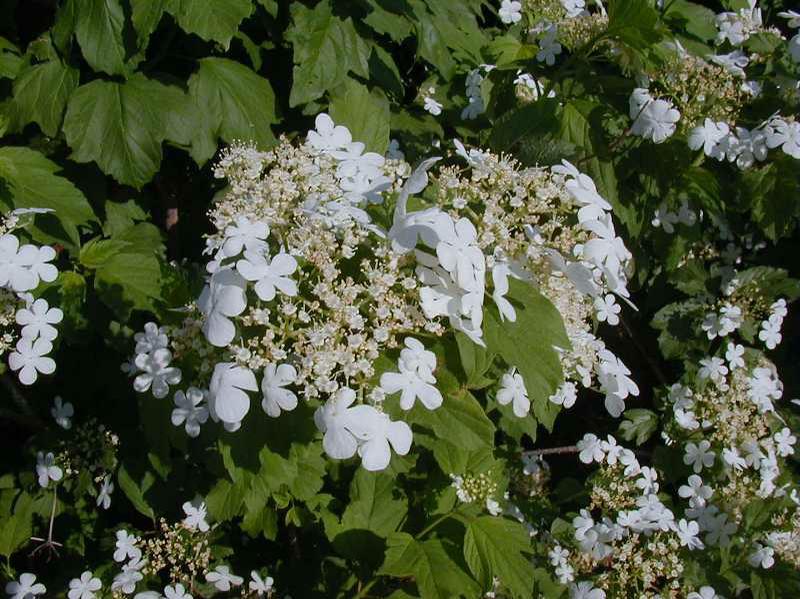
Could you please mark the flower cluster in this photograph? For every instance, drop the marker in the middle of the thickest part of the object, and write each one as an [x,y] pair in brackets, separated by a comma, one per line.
[26,323]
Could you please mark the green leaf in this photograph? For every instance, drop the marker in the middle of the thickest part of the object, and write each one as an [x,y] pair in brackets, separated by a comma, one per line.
[696,20]
[386,21]
[639,424]
[433,565]
[766,190]
[32,183]
[325,49]
[376,503]
[212,21]
[40,95]
[634,23]
[121,126]
[15,529]
[135,491]
[232,103]
[528,344]
[300,473]
[10,60]
[225,500]
[497,547]
[129,281]
[259,517]
[145,17]
[96,252]
[99,28]
[475,360]
[365,113]
[460,419]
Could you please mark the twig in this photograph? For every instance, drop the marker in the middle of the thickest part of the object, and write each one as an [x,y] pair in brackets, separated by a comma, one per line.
[552,451]
[49,543]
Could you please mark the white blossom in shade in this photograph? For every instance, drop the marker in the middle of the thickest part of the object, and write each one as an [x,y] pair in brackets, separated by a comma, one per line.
[30,358]
[688,532]
[607,308]
[686,215]
[227,397]
[84,587]
[382,433]
[178,591]
[104,493]
[432,106]
[260,586]
[763,387]
[344,426]
[653,119]
[151,339]
[156,373]
[393,151]
[783,134]
[510,11]
[714,369]
[39,262]
[792,16]
[269,275]
[126,547]
[762,557]
[222,298]
[38,320]
[585,590]
[126,581]
[698,455]
[62,412]
[615,382]
[14,272]
[500,273]
[734,62]
[512,391]
[273,388]
[732,459]
[223,579]
[196,512]
[590,449]
[582,524]
[574,8]
[328,136]
[25,588]
[566,395]
[493,506]
[415,378]
[549,47]
[734,354]
[46,469]
[779,309]
[794,48]
[245,235]
[705,592]
[784,442]
[460,255]
[695,491]
[188,410]
[770,333]
[665,219]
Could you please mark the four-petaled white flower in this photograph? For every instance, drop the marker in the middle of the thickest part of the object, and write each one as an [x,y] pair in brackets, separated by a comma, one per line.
[227,398]
[276,396]
[381,433]
[30,358]
[84,587]
[510,11]
[762,557]
[25,588]
[653,119]
[21,268]
[698,456]
[328,136]
[245,234]
[590,449]
[687,531]
[415,379]
[38,320]
[223,579]
[189,411]
[269,275]
[176,592]
[126,547]
[62,412]
[585,590]
[513,391]
[222,298]
[47,470]
[695,491]
[196,512]
[343,426]
[126,581]
[156,373]
[104,494]
[260,586]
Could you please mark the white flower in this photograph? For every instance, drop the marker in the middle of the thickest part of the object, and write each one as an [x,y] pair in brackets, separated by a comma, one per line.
[512,389]
[223,297]
[188,410]
[566,395]
[590,449]
[245,234]
[328,136]
[770,333]
[665,219]
[687,534]
[84,587]
[493,506]
[720,530]
[607,309]
[62,412]
[46,469]
[37,320]
[653,119]
[223,579]
[176,592]
[733,62]
[510,11]
[698,455]
[104,494]
[276,398]
[343,426]
[794,48]
[30,358]
[415,379]
[615,382]
[500,274]
[22,267]
[785,134]
[227,399]
[585,590]
[432,106]
[574,8]
[762,557]
[151,339]
[156,373]
[549,48]
[269,276]
[380,434]
[126,547]
[260,586]
[460,255]
[784,441]
[393,151]
[695,491]
[126,581]
[731,457]
[734,355]
[25,588]
[196,513]
[714,369]
[793,18]
[706,592]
